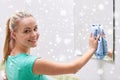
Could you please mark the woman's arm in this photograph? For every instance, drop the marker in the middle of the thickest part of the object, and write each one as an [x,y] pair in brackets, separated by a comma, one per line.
[43,66]
[5,76]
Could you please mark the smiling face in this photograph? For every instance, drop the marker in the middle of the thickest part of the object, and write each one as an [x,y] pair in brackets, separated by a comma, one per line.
[26,34]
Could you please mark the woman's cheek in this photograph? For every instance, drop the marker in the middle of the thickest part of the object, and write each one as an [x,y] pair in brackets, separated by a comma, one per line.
[38,34]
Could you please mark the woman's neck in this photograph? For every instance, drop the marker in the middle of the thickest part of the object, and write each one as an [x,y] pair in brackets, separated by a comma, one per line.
[18,49]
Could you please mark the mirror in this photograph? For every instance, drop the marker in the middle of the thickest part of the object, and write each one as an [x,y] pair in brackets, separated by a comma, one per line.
[94,12]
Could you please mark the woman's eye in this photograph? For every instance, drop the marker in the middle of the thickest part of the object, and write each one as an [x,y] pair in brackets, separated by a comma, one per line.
[26,31]
[35,29]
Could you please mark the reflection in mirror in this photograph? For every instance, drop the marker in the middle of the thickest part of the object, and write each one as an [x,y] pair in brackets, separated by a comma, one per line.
[87,14]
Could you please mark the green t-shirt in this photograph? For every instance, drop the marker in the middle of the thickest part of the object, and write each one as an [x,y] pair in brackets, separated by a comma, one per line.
[19,67]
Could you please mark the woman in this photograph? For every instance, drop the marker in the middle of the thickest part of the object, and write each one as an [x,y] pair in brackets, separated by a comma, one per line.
[21,35]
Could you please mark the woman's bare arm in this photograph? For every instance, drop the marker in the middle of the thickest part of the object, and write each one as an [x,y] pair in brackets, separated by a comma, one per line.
[43,66]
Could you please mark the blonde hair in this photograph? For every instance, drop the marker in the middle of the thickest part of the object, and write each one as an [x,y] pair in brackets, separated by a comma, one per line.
[11,25]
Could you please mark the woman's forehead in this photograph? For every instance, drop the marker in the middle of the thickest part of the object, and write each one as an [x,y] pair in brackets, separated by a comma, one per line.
[27,22]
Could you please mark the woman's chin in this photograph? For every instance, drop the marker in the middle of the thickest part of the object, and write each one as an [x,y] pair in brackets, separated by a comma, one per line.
[33,46]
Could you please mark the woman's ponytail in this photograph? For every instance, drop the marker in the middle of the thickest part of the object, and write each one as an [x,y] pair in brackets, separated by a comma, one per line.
[7,42]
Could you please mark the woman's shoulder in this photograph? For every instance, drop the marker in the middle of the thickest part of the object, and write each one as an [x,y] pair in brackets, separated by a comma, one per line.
[21,58]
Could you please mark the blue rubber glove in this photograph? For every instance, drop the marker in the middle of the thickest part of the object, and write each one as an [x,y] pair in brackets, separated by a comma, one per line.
[102,43]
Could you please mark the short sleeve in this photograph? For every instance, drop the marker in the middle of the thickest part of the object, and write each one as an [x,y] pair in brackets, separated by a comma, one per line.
[30,60]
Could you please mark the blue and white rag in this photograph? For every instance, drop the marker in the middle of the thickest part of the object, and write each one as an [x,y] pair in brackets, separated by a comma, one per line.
[102,43]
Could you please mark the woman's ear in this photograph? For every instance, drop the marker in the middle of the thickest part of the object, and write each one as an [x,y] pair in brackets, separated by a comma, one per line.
[13,35]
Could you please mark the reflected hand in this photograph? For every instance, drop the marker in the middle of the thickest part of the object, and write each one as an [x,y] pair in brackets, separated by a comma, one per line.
[110,53]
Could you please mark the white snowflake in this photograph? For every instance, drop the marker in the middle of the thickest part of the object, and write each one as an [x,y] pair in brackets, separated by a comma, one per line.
[71,34]
[117,23]
[69,57]
[119,41]
[110,31]
[51,50]
[93,9]
[55,44]
[44,5]
[71,51]
[66,20]
[79,34]
[68,50]
[116,14]
[100,71]
[78,52]
[46,11]
[106,2]
[11,6]
[48,52]
[62,58]
[67,41]
[56,59]
[39,1]
[72,23]
[50,43]
[84,38]
[74,3]
[63,12]
[28,2]
[53,56]
[58,39]
[111,72]
[101,6]
[81,14]
[87,30]
[85,7]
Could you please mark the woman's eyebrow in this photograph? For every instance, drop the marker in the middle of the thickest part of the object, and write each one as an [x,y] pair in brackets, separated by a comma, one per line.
[27,28]
[35,25]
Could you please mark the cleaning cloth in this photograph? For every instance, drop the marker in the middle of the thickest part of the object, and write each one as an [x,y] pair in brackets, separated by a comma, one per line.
[102,43]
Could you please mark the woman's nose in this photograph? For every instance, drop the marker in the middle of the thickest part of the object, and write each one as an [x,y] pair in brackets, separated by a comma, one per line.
[33,33]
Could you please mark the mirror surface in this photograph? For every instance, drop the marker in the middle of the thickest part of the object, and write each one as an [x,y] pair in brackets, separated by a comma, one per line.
[97,12]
